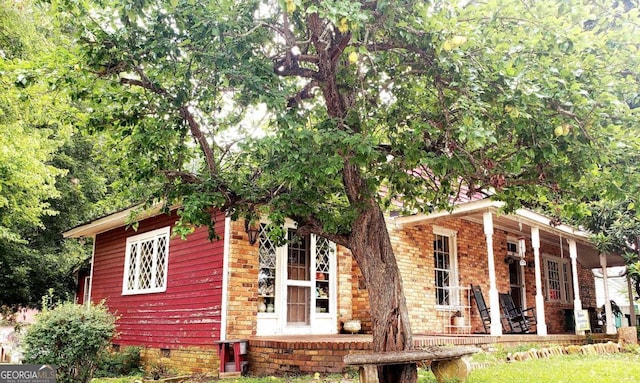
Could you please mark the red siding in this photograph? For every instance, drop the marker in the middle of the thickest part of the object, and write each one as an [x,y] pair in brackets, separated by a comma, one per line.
[188,313]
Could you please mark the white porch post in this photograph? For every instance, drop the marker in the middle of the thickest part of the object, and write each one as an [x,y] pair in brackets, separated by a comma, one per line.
[611,326]
[577,302]
[632,302]
[535,243]
[494,304]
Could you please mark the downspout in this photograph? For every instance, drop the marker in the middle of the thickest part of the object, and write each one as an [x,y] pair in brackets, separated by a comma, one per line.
[494,304]
[541,325]
[225,277]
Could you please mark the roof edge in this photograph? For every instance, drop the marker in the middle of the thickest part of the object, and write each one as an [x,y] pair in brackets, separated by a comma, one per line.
[458,210]
[530,217]
[113,221]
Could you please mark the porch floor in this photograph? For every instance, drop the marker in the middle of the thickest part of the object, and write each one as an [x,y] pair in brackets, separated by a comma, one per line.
[308,354]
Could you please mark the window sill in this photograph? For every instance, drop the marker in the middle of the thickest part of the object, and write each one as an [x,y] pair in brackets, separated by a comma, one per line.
[142,292]
[451,308]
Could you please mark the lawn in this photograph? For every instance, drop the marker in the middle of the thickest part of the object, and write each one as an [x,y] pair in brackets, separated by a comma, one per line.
[614,368]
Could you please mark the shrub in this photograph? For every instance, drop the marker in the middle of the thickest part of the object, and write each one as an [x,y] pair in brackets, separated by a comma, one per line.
[120,363]
[71,337]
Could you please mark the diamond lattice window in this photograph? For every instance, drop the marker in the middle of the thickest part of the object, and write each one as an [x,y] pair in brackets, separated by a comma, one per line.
[267,273]
[146,262]
[323,253]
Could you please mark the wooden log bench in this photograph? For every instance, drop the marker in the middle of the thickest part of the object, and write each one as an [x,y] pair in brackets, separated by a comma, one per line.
[446,362]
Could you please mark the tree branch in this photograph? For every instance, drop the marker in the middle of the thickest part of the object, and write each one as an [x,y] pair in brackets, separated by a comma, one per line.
[304,94]
[197,133]
[311,225]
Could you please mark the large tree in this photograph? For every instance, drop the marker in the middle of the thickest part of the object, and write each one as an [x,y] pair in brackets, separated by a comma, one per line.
[362,104]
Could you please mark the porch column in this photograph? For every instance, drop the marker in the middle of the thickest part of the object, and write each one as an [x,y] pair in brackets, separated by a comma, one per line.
[632,304]
[540,318]
[573,254]
[494,304]
[611,326]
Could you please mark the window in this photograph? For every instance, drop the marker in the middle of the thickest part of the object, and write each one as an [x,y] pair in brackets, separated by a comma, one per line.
[558,279]
[296,284]
[445,265]
[512,248]
[324,250]
[146,262]
[267,272]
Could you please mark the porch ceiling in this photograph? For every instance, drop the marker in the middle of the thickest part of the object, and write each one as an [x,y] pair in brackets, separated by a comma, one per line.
[519,224]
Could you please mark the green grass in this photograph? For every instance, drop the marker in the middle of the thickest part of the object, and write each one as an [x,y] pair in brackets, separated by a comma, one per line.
[614,368]
[611,368]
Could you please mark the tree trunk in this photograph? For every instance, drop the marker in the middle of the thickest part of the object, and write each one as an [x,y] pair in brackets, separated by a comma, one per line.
[371,248]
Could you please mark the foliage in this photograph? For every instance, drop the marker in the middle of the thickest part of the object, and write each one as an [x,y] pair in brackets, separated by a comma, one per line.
[31,274]
[51,177]
[119,363]
[369,106]
[615,224]
[71,337]
[33,120]
[525,106]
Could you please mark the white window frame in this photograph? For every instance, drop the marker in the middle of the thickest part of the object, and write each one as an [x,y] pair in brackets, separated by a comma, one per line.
[454,282]
[564,275]
[136,240]
[516,256]
[86,297]
[321,323]
[513,241]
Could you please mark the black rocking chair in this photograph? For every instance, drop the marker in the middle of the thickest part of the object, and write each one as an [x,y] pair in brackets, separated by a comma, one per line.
[515,319]
[483,310]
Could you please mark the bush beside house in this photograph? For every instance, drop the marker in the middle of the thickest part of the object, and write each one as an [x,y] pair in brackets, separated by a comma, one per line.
[70,337]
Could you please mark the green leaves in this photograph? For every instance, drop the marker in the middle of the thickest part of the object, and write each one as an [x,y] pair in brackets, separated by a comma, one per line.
[70,337]
[529,100]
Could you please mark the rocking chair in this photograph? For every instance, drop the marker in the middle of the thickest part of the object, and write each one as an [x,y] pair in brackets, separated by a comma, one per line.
[483,310]
[515,319]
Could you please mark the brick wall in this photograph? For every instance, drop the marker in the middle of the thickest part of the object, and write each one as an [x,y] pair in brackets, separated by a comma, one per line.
[242,305]
[414,250]
[309,355]
[181,361]
[346,277]
[268,357]
[360,299]
[413,247]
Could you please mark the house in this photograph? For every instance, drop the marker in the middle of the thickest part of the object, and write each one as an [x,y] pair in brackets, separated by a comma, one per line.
[177,298]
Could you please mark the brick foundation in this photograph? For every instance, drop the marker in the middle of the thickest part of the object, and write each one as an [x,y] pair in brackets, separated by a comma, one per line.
[181,361]
[273,357]
[311,354]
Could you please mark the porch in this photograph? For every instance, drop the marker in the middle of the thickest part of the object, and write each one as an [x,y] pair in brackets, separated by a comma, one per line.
[308,354]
